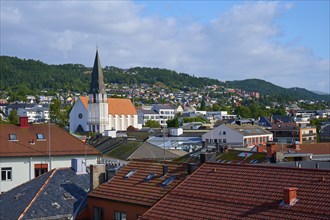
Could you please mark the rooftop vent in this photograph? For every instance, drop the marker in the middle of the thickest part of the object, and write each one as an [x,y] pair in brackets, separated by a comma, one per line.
[68,196]
[129,174]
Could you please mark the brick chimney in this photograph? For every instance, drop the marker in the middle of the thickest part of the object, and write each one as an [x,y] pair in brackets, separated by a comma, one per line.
[271,149]
[97,175]
[23,122]
[290,195]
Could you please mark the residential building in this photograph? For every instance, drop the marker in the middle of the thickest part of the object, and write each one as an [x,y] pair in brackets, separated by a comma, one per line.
[234,191]
[237,135]
[134,189]
[28,151]
[166,112]
[57,194]
[36,113]
[324,133]
[145,115]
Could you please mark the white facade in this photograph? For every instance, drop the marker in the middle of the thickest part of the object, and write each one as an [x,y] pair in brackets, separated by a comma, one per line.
[234,136]
[23,168]
[121,122]
[165,113]
[146,115]
[78,116]
[36,114]
[98,117]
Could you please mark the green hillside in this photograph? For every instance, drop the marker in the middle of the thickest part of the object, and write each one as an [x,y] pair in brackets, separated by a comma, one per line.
[32,77]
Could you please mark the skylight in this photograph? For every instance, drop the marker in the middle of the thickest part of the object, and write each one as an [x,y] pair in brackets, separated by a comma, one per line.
[168,181]
[149,177]
[130,173]
[12,137]
[41,136]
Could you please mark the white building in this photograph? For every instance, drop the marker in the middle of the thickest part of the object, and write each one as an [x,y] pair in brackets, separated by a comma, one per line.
[238,135]
[36,113]
[28,151]
[97,113]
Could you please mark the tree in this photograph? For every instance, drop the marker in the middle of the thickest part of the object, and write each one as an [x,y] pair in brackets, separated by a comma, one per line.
[57,114]
[152,124]
[203,105]
[174,123]
[13,117]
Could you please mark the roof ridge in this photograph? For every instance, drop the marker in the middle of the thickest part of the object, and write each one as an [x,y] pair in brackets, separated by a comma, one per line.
[37,194]
[269,167]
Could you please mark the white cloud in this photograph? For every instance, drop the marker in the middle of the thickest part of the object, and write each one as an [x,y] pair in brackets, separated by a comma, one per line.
[239,44]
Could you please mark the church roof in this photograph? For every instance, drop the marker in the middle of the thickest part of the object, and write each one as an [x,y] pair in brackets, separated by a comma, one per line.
[97,83]
[116,106]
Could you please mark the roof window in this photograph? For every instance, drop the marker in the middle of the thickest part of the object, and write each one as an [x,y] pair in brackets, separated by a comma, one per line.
[41,136]
[168,181]
[129,174]
[12,137]
[149,177]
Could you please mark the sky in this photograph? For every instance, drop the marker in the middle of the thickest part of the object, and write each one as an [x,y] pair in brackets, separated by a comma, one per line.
[283,42]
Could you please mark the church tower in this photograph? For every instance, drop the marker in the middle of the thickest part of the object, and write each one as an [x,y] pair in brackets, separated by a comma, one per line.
[98,117]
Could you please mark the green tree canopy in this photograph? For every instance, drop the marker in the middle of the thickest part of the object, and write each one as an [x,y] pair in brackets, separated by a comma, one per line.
[13,117]
[152,124]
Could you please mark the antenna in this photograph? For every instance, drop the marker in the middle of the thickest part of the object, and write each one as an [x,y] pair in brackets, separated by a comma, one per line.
[49,147]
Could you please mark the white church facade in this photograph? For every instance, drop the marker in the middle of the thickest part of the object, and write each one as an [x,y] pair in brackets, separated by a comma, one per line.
[98,113]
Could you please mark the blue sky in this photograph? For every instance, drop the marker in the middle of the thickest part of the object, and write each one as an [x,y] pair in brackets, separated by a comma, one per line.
[283,42]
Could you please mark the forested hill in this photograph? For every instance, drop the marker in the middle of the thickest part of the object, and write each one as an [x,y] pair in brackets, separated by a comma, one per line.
[36,76]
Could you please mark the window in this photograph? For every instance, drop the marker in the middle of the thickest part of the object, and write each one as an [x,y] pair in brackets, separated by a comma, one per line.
[40,169]
[224,141]
[224,133]
[120,215]
[6,174]
[80,115]
[98,213]
[12,137]
[41,136]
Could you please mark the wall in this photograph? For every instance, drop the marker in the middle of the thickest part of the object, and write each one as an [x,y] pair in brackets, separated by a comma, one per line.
[23,167]
[75,120]
[132,210]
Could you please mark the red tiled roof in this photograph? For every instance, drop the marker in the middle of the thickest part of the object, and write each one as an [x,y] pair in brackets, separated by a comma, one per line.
[134,189]
[61,142]
[317,148]
[116,106]
[230,191]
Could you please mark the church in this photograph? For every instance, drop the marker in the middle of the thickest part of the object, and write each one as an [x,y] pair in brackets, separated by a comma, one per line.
[98,113]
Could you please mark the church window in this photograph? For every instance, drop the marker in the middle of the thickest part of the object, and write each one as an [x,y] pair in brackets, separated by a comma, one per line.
[80,116]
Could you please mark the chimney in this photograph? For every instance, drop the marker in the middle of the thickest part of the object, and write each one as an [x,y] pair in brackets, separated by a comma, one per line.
[271,149]
[204,144]
[110,173]
[165,169]
[290,195]
[191,168]
[202,158]
[317,166]
[23,122]
[97,175]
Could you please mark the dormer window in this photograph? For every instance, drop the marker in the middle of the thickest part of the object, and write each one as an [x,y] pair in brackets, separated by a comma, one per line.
[41,136]
[12,137]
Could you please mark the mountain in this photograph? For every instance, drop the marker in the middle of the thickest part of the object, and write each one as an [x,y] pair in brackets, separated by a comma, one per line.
[34,76]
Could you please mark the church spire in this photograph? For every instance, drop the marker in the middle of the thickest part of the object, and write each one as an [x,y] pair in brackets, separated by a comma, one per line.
[97,84]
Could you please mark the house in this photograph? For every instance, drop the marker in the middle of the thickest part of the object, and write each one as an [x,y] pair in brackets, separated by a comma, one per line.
[97,113]
[238,135]
[235,191]
[324,133]
[145,115]
[57,194]
[166,112]
[290,133]
[135,188]
[28,151]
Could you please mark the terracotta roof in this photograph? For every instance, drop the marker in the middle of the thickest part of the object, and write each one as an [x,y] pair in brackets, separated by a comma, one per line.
[137,191]
[115,106]
[61,142]
[317,148]
[229,191]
